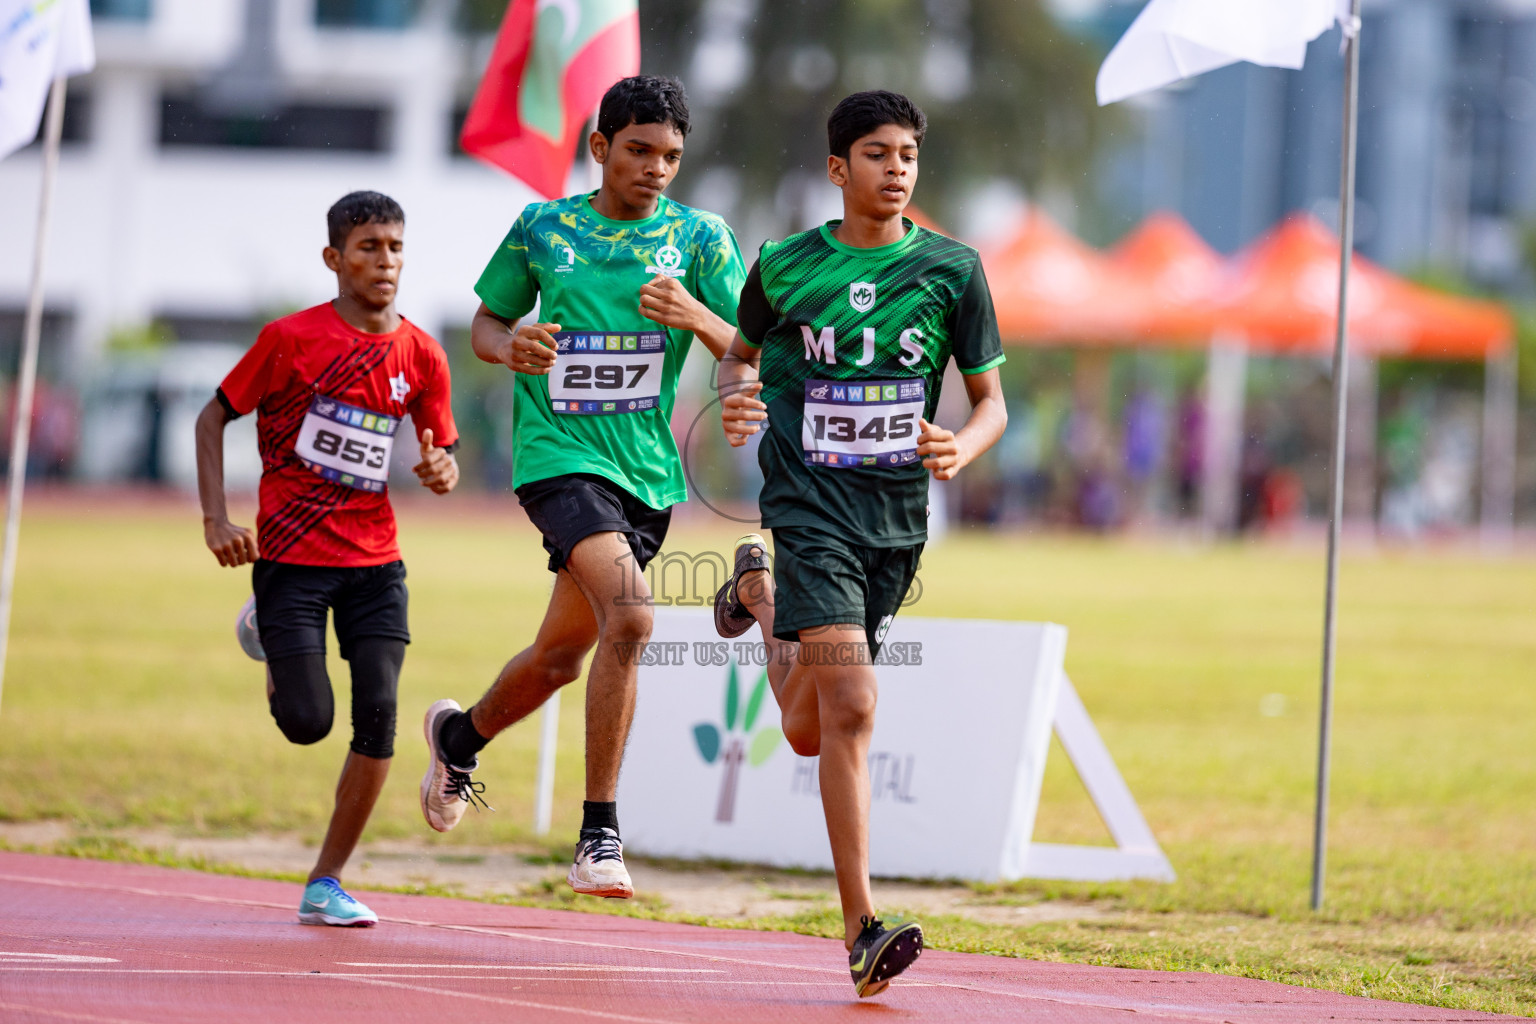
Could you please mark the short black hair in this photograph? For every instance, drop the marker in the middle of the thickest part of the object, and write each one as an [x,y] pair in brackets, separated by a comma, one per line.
[643,99]
[356,208]
[863,112]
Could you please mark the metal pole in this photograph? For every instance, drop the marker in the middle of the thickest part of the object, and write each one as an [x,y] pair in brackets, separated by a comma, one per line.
[1500,411]
[1340,417]
[544,789]
[26,379]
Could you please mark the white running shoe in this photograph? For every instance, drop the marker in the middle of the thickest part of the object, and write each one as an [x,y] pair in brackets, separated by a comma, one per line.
[246,631]
[446,790]
[599,868]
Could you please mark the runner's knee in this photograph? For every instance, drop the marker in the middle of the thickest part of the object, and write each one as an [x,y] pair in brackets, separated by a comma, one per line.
[301,700]
[627,625]
[848,708]
[557,666]
[376,665]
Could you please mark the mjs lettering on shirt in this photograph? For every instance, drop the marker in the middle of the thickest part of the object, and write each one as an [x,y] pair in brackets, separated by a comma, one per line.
[821,345]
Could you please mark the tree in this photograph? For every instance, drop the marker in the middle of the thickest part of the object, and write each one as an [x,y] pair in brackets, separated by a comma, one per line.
[1008,93]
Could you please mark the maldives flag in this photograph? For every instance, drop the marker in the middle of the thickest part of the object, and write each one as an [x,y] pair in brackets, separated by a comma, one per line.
[552,63]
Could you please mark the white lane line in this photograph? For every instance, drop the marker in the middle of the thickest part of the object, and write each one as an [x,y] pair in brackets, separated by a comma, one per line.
[1088,1002]
[540,967]
[349,975]
[506,1001]
[472,929]
[68,1015]
[55,958]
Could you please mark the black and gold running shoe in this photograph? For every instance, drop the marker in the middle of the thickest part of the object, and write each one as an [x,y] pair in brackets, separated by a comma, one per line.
[731,616]
[879,954]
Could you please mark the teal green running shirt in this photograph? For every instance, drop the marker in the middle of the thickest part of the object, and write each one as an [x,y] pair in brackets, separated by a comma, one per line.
[854,346]
[606,406]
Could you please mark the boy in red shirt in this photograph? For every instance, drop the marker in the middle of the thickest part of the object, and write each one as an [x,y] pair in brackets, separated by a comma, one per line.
[329,386]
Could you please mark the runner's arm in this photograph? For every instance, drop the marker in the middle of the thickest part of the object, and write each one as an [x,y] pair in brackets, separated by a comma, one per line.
[741,411]
[665,300]
[526,349]
[232,545]
[945,452]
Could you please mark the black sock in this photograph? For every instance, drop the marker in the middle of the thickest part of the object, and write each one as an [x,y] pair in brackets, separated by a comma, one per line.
[599,815]
[459,741]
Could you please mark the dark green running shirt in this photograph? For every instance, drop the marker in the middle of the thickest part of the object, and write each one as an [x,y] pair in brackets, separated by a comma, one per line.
[854,346]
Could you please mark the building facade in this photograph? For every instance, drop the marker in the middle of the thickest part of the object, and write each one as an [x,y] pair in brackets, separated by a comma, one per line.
[203,151]
[1447,145]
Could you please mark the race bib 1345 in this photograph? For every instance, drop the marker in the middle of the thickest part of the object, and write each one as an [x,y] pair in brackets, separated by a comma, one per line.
[862,423]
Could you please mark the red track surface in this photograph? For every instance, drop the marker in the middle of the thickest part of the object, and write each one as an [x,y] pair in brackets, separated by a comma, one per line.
[123,944]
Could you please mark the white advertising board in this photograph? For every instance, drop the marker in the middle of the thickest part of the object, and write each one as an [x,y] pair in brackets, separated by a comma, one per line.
[961,736]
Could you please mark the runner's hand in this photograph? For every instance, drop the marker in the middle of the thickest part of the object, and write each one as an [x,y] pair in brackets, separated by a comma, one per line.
[939,450]
[438,469]
[530,349]
[232,545]
[741,412]
[665,300]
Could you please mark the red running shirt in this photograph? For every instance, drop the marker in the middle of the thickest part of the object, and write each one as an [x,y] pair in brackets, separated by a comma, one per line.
[305,518]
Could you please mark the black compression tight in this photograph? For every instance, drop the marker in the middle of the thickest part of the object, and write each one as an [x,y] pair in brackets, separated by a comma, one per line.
[304,706]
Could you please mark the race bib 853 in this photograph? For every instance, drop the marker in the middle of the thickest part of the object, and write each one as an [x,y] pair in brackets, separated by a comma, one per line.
[608,373]
[347,444]
[862,423]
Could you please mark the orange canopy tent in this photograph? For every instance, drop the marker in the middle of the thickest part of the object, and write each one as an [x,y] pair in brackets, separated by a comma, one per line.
[1184,275]
[922,220]
[1048,287]
[1283,292]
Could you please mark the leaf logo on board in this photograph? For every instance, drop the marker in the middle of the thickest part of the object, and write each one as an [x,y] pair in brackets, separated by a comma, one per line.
[731,745]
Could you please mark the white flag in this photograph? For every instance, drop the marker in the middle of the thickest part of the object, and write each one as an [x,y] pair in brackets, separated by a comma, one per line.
[40,40]
[1174,39]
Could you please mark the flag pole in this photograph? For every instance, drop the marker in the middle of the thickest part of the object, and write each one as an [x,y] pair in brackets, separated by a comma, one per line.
[26,382]
[1340,419]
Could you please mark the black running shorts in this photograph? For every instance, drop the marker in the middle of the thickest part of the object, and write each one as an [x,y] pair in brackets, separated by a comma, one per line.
[291,602]
[569,509]
[820,579]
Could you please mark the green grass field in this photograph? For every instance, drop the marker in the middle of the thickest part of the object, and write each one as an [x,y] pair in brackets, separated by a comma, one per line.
[126,703]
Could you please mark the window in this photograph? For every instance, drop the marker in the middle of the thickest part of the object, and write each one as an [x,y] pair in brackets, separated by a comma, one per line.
[313,126]
[479,16]
[77,117]
[456,118]
[365,13]
[124,10]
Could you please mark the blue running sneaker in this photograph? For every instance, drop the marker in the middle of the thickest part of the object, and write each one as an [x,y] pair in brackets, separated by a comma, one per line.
[326,902]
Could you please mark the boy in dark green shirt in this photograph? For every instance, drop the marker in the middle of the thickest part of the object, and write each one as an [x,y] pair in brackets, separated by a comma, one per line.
[844,335]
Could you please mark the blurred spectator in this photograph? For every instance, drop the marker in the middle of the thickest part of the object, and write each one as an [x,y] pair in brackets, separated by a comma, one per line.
[1189,452]
[55,430]
[1145,426]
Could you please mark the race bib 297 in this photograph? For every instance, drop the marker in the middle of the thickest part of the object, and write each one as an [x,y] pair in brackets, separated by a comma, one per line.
[862,423]
[347,444]
[608,373]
